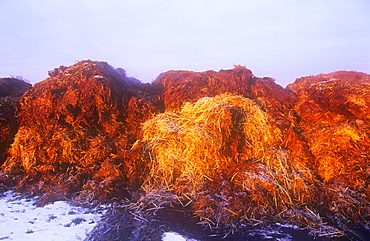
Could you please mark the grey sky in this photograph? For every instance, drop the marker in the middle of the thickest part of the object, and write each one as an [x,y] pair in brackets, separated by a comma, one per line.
[283,39]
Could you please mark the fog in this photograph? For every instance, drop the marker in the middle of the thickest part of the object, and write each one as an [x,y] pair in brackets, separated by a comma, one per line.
[282,39]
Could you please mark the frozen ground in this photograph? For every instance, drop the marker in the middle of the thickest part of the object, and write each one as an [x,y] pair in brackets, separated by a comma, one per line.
[20,219]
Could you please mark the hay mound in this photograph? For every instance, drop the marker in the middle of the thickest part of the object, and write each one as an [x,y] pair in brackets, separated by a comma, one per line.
[73,138]
[205,136]
[179,87]
[334,110]
[222,156]
[11,90]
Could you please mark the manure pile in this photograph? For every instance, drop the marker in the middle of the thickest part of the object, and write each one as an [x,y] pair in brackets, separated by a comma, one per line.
[233,148]
[73,139]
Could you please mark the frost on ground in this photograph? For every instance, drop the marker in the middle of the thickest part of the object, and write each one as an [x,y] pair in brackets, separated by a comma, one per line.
[20,219]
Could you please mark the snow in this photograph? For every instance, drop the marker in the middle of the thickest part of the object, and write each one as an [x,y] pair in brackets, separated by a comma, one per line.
[20,219]
[172,236]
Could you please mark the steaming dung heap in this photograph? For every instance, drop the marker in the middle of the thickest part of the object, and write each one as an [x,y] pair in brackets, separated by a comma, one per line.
[232,147]
[73,138]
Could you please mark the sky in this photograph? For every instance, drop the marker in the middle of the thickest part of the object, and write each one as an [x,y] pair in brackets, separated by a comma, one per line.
[283,39]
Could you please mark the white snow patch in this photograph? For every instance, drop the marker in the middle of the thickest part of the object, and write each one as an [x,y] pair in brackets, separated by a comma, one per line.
[20,219]
[172,236]
[286,225]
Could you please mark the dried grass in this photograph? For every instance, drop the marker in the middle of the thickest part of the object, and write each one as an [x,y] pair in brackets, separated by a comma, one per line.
[205,136]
